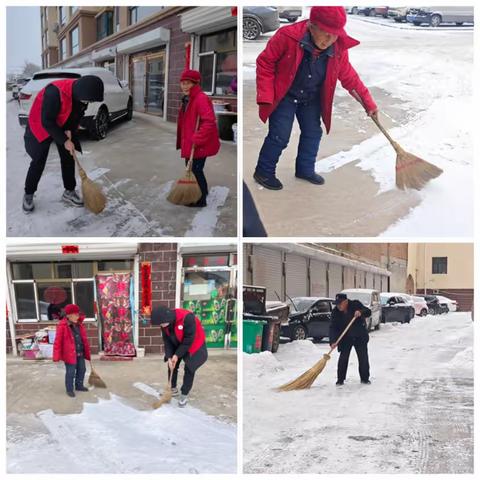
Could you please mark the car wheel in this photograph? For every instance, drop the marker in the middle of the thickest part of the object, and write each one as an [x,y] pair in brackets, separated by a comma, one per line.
[129,109]
[276,338]
[100,124]
[251,29]
[417,24]
[424,312]
[435,21]
[431,311]
[299,333]
[371,13]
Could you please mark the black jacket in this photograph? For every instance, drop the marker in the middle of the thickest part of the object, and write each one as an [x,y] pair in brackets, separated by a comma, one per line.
[357,332]
[174,347]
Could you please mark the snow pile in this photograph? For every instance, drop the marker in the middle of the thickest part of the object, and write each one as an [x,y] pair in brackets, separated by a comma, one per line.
[462,360]
[112,437]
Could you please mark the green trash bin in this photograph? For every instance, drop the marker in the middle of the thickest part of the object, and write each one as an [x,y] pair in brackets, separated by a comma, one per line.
[252,336]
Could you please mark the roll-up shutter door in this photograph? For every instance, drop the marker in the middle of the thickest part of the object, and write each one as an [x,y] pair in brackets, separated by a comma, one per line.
[384,283]
[318,279]
[378,282]
[334,279]
[267,270]
[369,276]
[296,275]
[360,280]
[348,277]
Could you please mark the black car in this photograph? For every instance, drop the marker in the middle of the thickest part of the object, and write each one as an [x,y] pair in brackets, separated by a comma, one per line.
[258,20]
[309,317]
[434,306]
[395,309]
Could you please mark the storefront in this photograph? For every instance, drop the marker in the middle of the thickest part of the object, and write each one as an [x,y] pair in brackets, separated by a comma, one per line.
[207,285]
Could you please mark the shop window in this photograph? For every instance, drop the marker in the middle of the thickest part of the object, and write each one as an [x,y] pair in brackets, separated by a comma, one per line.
[73,270]
[104,25]
[25,301]
[52,297]
[30,271]
[205,285]
[218,63]
[439,265]
[85,297]
[191,261]
[74,42]
[114,265]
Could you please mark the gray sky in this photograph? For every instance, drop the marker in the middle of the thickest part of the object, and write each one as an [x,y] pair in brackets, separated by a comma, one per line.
[23,37]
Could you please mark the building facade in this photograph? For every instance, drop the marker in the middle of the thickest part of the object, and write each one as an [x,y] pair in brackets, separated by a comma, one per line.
[149,47]
[443,268]
[321,270]
[103,278]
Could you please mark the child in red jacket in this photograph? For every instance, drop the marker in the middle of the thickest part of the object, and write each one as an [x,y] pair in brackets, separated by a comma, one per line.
[296,77]
[205,140]
[72,347]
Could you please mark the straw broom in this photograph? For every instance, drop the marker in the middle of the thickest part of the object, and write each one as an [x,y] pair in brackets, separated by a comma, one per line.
[93,197]
[186,190]
[306,379]
[94,378]
[167,394]
[410,171]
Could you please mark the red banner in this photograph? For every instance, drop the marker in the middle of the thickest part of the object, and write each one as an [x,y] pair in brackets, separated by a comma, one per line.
[70,249]
[146,281]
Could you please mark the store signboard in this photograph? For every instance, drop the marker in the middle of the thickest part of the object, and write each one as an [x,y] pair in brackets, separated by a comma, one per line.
[70,249]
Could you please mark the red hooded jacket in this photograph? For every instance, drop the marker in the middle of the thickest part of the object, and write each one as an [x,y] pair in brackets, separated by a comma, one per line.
[206,140]
[64,345]
[277,66]
[65,88]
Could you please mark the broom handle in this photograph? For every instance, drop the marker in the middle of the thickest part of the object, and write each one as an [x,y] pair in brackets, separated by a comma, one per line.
[342,335]
[190,162]
[80,169]
[377,122]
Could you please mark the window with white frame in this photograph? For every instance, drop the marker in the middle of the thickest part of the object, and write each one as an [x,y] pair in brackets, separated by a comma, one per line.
[218,62]
[63,49]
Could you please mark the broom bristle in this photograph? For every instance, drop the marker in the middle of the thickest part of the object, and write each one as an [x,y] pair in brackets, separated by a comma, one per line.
[95,380]
[306,379]
[93,197]
[165,398]
[185,191]
[413,172]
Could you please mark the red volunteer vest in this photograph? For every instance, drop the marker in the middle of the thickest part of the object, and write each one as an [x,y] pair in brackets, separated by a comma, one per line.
[35,117]
[199,339]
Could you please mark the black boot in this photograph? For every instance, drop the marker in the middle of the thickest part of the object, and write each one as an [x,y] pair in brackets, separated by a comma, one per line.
[28,205]
[71,394]
[268,181]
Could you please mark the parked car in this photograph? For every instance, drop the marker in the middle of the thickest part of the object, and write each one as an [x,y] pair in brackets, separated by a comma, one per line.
[373,11]
[447,302]
[395,308]
[352,10]
[17,86]
[258,20]
[434,306]
[309,317]
[408,299]
[117,101]
[399,14]
[292,14]
[371,299]
[435,16]
[421,307]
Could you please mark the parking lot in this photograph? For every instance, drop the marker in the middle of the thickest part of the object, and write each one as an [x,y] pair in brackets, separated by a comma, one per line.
[404,68]
[415,417]
[136,165]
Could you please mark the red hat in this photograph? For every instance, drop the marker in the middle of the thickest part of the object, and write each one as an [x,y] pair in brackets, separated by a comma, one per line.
[192,75]
[329,19]
[71,308]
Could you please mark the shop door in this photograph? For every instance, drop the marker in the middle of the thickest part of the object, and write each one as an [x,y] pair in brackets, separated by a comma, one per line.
[114,302]
[296,276]
[138,83]
[155,84]
[267,265]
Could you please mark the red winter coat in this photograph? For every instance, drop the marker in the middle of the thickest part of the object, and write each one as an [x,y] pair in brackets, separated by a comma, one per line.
[65,88]
[64,345]
[277,66]
[206,140]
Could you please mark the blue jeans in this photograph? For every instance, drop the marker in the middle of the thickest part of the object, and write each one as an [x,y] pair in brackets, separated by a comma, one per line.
[197,169]
[75,372]
[279,129]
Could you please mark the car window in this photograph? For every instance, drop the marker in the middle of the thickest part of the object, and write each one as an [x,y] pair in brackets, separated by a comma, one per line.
[321,307]
[400,300]
[55,74]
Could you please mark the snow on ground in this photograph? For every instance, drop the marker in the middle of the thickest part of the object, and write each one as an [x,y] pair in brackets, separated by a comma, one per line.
[415,417]
[112,437]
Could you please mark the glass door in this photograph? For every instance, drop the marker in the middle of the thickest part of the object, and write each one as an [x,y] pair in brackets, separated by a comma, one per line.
[155,83]
[137,75]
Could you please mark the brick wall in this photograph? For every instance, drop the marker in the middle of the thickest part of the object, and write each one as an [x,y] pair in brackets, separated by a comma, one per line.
[163,257]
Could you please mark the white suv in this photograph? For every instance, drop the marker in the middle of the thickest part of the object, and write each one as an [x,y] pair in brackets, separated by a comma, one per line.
[117,102]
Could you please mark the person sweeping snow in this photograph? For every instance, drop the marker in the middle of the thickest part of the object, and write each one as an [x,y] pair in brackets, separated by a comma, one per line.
[356,336]
[296,76]
[196,108]
[71,346]
[54,117]
[184,339]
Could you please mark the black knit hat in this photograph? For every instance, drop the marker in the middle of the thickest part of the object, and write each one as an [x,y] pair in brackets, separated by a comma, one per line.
[161,315]
[88,89]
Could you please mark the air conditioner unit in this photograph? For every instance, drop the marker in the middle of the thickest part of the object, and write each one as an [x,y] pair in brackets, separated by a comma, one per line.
[56,27]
